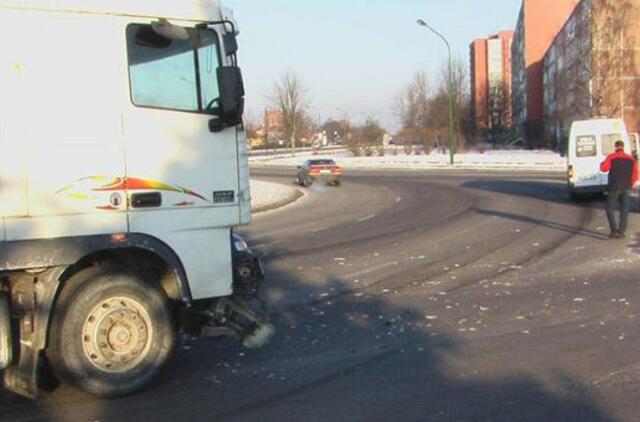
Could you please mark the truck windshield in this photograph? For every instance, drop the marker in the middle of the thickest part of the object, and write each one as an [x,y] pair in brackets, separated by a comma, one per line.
[173,74]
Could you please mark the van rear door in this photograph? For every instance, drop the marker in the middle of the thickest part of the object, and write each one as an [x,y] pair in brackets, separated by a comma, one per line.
[586,161]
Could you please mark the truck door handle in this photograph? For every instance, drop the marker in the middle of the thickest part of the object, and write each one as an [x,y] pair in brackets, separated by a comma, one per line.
[146,200]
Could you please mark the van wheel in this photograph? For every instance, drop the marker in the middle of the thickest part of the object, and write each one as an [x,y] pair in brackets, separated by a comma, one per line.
[110,334]
[574,196]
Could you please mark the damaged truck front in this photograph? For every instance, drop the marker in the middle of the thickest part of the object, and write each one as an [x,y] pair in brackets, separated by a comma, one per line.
[123,169]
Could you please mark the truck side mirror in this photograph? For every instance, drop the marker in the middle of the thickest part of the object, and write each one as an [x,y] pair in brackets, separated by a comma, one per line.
[230,44]
[231,104]
[229,112]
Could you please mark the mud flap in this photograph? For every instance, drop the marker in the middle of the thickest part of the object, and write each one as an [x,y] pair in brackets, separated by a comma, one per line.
[6,351]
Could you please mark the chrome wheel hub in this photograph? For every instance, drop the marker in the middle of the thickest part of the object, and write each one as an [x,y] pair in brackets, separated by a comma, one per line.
[116,334]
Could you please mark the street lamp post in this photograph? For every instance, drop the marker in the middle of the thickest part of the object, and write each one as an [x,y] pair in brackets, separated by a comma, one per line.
[452,94]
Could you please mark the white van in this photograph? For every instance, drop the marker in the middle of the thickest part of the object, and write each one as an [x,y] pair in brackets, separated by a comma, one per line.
[590,142]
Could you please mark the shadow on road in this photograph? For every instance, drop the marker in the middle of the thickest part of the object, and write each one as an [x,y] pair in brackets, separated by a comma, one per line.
[340,354]
[544,223]
[546,191]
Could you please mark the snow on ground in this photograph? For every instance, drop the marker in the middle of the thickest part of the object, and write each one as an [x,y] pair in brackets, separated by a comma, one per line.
[492,160]
[267,195]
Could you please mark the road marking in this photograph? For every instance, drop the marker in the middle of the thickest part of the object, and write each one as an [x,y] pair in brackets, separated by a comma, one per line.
[367,218]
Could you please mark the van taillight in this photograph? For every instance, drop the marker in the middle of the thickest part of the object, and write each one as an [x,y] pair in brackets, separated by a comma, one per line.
[570,172]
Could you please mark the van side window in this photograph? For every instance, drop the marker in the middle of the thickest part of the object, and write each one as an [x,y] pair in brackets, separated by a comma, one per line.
[174,74]
[586,146]
[609,142]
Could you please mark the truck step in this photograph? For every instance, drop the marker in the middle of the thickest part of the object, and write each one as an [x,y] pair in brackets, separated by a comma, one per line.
[6,353]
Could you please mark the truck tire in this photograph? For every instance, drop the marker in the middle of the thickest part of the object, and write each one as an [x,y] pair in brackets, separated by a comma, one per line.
[110,334]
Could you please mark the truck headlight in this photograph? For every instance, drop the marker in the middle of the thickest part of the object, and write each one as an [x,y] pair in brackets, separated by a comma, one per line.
[239,244]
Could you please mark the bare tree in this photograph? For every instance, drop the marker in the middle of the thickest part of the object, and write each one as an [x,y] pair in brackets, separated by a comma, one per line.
[424,113]
[337,130]
[609,20]
[460,72]
[412,106]
[289,95]
[368,137]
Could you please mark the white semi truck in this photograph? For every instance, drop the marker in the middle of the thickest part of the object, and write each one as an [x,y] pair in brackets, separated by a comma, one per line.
[123,169]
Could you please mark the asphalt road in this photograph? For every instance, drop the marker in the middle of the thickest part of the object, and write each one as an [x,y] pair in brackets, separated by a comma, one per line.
[415,297]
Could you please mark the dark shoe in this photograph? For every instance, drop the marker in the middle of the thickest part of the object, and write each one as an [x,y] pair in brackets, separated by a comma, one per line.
[621,235]
[614,234]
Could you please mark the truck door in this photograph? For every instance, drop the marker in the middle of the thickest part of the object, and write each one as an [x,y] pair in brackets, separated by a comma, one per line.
[182,179]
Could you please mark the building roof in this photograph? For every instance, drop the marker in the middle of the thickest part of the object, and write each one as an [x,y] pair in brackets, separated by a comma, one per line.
[195,10]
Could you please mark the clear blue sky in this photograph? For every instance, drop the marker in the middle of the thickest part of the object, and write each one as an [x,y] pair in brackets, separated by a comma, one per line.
[355,55]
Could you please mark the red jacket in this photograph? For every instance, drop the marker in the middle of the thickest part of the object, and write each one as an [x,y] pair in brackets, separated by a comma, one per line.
[622,169]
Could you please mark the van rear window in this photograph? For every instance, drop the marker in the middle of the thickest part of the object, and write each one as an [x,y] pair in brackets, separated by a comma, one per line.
[609,142]
[586,146]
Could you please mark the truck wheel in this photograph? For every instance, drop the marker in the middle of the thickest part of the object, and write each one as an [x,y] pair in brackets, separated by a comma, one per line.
[110,334]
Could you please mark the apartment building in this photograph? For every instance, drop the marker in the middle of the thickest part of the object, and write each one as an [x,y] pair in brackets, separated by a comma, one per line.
[539,22]
[592,68]
[274,126]
[491,82]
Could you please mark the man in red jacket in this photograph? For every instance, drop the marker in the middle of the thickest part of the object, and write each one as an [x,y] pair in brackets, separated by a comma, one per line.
[623,174]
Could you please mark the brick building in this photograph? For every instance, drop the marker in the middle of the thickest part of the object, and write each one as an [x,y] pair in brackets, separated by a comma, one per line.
[592,68]
[274,127]
[538,25]
[491,82]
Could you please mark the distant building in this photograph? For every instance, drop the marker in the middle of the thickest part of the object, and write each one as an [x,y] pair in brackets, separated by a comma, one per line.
[274,127]
[539,22]
[592,69]
[491,82]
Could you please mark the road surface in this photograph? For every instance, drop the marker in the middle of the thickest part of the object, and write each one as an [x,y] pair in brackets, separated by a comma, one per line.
[415,296]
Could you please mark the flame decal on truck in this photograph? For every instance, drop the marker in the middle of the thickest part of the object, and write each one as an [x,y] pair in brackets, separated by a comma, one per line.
[80,188]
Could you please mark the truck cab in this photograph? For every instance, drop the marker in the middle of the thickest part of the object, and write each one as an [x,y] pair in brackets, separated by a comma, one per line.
[123,166]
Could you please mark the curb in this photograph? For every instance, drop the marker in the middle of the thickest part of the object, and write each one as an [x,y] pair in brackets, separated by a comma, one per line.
[295,195]
[467,167]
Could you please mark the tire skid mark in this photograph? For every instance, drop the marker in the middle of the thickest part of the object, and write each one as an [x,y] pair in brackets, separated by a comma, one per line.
[319,382]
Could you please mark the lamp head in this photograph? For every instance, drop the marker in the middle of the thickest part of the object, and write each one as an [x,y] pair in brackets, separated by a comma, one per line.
[422,23]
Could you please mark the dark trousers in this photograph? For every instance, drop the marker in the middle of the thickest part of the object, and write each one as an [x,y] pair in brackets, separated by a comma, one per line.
[614,198]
